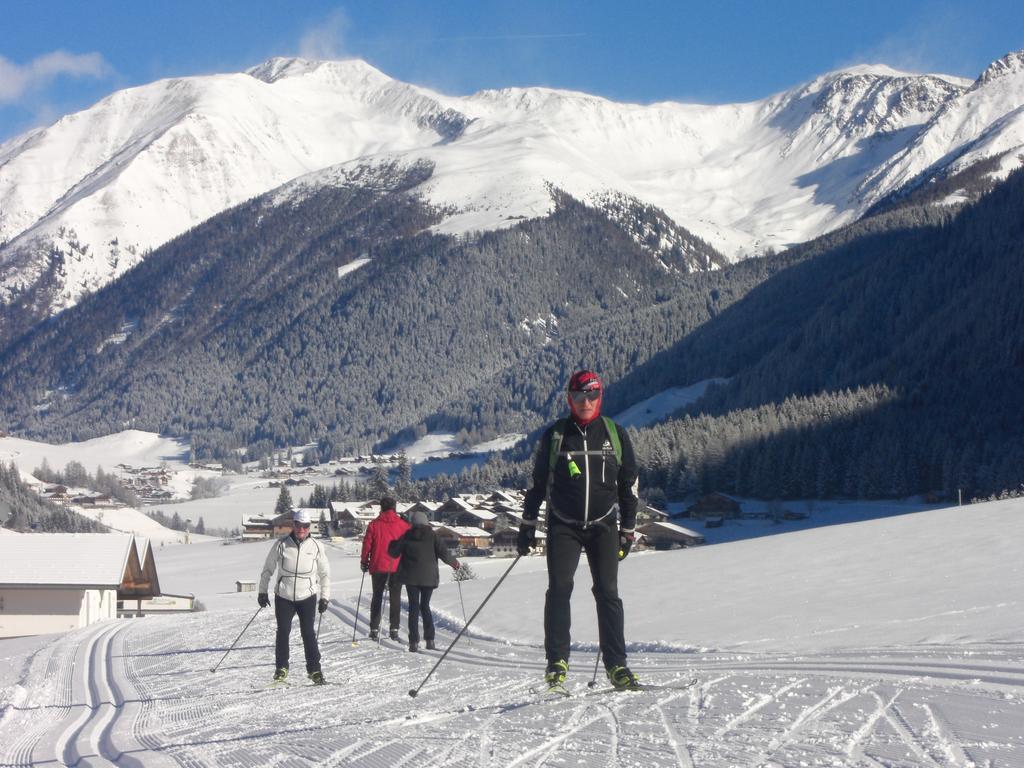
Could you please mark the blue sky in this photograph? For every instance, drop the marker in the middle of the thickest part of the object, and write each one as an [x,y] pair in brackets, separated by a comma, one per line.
[60,56]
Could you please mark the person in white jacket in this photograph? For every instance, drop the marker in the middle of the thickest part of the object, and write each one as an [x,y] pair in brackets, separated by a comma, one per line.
[303,576]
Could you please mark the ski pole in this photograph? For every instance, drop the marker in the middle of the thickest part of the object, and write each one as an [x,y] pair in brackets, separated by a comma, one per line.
[358,601]
[318,623]
[384,608]
[463,608]
[593,681]
[237,639]
[415,691]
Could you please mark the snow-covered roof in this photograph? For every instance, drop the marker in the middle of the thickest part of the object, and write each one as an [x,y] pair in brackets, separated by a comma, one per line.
[465,531]
[673,528]
[481,514]
[65,559]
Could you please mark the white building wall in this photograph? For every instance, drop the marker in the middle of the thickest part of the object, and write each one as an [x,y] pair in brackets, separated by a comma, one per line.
[42,611]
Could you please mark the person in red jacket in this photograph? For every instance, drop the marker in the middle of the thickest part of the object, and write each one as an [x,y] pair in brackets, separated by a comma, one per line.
[381,531]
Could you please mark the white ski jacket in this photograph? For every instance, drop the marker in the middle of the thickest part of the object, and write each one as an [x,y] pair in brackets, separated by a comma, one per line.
[303,569]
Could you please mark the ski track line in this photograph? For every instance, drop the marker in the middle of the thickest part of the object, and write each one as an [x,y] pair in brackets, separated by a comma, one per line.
[121,733]
[855,747]
[835,697]
[902,727]
[548,748]
[764,700]
[679,745]
[946,742]
[81,688]
[339,757]
[949,677]
[697,699]
[57,666]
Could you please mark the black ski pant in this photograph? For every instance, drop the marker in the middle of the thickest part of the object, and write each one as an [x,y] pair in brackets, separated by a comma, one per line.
[382,581]
[284,611]
[564,544]
[419,605]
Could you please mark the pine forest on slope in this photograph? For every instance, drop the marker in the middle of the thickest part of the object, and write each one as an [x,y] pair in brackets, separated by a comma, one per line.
[856,362]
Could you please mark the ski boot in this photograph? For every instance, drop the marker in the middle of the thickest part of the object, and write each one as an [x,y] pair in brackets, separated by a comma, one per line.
[555,675]
[622,679]
[393,634]
[430,645]
[413,646]
[317,678]
[374,634]
[281,675]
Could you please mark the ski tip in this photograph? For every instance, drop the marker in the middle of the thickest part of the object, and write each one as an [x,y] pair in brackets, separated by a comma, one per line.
[413,692]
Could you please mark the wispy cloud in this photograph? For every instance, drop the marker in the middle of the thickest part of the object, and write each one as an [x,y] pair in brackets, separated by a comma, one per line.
[550,36]
[327,39]
[17,80]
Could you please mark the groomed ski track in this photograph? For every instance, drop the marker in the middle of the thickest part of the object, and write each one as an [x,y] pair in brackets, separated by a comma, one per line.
[140,693]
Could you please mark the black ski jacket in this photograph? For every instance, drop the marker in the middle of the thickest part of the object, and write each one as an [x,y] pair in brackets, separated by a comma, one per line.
[420,549]
[591,495]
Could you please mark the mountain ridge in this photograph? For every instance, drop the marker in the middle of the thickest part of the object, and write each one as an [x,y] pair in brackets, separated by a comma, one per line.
[147,163]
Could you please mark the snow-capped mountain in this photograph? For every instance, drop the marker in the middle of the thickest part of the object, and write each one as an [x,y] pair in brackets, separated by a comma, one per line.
[82,200]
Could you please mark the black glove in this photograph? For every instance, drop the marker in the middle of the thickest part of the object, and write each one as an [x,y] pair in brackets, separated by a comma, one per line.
[527,539]
[364,566]
[263,600]
[322,605]
[625,543]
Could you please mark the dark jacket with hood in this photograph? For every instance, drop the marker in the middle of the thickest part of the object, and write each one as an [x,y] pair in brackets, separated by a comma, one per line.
[602,482]
[420,549]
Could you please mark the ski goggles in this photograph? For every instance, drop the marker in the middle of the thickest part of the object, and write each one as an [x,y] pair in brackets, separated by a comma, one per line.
[301,525]
[580,397]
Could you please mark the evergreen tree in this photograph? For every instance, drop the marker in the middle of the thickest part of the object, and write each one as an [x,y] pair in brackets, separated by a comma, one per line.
[284,502]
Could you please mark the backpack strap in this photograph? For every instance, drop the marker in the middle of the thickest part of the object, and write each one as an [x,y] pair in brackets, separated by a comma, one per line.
[557,433]
[613,435]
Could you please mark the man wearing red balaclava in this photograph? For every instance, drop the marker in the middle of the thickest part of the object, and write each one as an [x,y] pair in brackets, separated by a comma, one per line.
[586,470]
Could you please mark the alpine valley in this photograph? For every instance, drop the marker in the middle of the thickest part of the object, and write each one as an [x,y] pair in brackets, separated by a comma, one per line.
[313,251]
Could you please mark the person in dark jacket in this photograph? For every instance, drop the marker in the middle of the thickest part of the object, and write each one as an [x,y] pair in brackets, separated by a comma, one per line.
[302,588]
[589,480]
[381,531]
[419,550]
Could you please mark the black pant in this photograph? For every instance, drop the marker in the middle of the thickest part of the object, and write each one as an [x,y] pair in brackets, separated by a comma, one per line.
[564,545]
[284,611]
[419,604]
[394,587]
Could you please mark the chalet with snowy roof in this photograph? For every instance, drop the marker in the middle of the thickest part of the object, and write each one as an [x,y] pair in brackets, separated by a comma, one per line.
[463,539]
[257,527]
[56,582]
[454,506]
[351,518]
[429,508]
[506,497]
[504,543]
[660,535]
[472,518]
[715,505]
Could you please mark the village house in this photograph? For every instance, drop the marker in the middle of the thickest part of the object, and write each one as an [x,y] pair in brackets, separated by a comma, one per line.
[257,527]
[715,505]
[464,540]
[350,518]
[56,582]
[661,535]
[504,543]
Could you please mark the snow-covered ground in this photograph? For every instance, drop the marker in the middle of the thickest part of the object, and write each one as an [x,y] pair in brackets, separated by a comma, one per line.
[891,642]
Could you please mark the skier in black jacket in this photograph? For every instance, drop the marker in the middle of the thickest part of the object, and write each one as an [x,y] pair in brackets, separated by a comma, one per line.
[420,550]
[589,478]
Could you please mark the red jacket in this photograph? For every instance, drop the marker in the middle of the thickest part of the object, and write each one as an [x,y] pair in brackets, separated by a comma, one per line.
[387,527]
